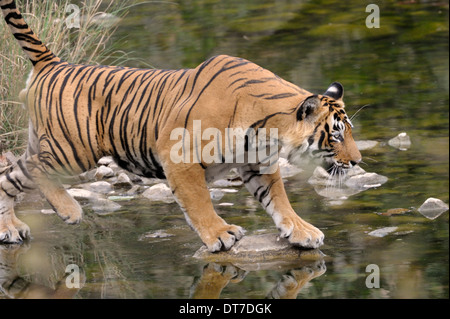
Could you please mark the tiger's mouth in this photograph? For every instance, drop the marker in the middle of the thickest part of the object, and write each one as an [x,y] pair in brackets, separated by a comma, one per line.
[323,158]
[335,168]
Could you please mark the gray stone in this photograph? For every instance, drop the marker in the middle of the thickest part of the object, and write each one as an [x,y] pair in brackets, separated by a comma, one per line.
[136,189]
[228,182]
[259,248]
[365,144]
[151,181]
[47,211]
[114,166]
[401,141]
[87,176]
[356,178]
[355,170]
[157,234]
[433,208]
[123,180]
[100,187]
[228,190]
[340,187]
[216,194]
[82,194]
[133,177]
[121,198]
[367,180]
[159,192]
[381,232]
[105,160]
[104,206]
[336,194]
[320,177]
[226,204]
[103,172]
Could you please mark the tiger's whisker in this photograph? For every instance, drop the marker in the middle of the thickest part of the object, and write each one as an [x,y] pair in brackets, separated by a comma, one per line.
[372,159]
[362,162]
[330,180]
[360,109]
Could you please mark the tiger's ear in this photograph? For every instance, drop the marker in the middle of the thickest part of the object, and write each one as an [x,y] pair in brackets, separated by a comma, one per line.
[335,91]
[308,107]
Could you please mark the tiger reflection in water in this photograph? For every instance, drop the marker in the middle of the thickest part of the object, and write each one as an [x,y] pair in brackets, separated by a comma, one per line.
[15,287]
[216,276]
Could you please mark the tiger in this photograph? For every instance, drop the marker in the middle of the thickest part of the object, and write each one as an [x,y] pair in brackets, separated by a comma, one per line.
[81,113]
[14,286]
[216,276]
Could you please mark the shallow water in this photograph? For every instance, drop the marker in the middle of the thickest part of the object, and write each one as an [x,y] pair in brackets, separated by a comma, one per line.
[400,71]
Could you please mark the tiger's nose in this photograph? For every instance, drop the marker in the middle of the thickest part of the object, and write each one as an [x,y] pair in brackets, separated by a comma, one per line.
[354,163]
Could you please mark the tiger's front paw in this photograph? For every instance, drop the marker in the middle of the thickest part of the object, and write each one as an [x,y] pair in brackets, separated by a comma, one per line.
[74,218]
[221,238]
[22,228]
[301,233]
[13,230]
[71,215]
[10,235]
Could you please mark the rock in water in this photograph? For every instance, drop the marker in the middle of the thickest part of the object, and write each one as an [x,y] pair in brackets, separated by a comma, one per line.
[366,144]
[100,187]
[260,248]
[401,141]
[103,172]
[395,212]
[216,194]
[81,194]
[105,160]
[381,232]
[159,192]
[228,182]
[123,180]
[104,206]
[354,181]
[432,208]
[367,180]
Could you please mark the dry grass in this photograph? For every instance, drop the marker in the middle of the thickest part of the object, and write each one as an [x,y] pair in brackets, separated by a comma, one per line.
[88,44]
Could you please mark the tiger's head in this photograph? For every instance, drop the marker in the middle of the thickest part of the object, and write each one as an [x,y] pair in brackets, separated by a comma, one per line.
[326,132]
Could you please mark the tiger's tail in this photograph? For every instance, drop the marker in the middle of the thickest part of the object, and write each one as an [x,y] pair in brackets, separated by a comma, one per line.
[37,52]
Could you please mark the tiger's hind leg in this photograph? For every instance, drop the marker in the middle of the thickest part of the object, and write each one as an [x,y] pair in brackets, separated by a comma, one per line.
[13,180]
[28,174]
[65,205]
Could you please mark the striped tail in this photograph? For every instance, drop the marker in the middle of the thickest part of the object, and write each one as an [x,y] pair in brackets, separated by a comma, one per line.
[37,52]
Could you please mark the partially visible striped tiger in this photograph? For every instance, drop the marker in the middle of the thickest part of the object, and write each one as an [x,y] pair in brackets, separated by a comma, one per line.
[13,286]
[80,113]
